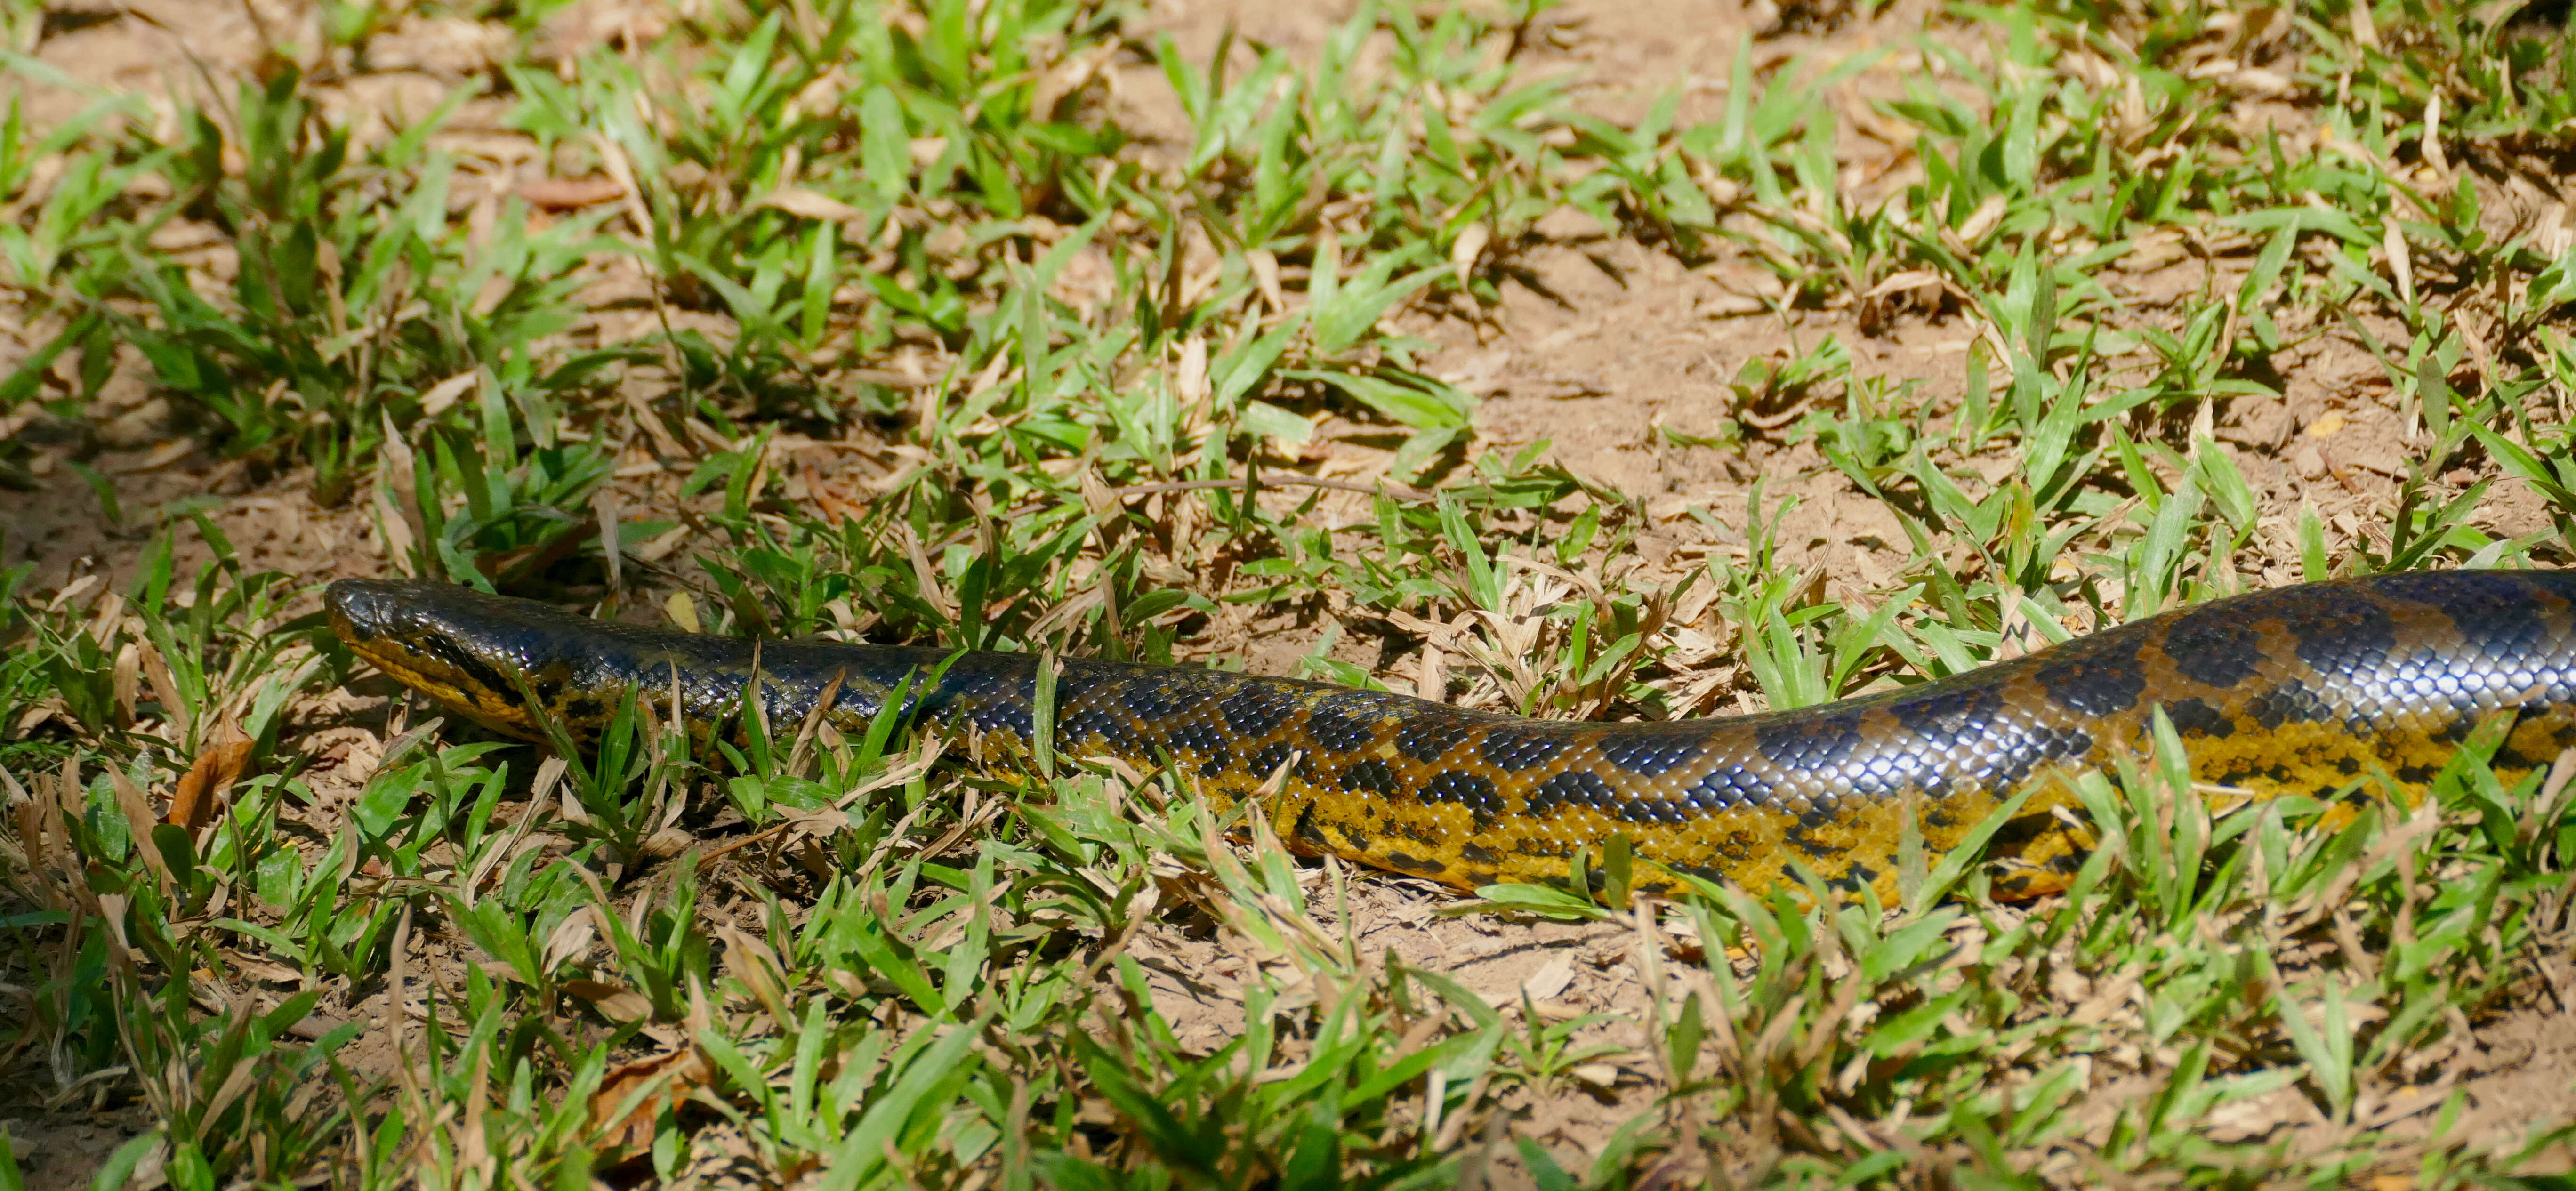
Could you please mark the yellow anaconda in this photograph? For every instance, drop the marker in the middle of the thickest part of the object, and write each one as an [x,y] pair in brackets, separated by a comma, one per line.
[2299,689]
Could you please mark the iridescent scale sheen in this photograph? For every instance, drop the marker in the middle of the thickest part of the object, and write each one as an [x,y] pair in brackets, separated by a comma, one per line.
[2304,689]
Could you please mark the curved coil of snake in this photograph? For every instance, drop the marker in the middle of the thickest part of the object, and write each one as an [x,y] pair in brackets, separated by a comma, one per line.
[2295,690]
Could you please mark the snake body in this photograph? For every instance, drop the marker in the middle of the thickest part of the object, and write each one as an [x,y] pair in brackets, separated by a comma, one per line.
[2294,690]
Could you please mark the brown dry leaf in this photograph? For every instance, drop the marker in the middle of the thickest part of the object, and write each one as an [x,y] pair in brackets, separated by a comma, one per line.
[571,937]
[1983,219]
[753,962]
[577,28]
[125,680]
[570,194]
[797,200]
[1901,282]
[815,824]
[1462,255]
[2241,1121]
[683,611]
[432,403]
[51,707]
[616,1002]
[663,1081]
[1067,78]
[261,969]
[1265,274]
[138,815]
[218,765]
[1550,979]
[159,457]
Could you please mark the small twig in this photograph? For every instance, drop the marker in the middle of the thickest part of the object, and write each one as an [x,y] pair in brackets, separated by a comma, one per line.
[886,379]
[768,832]
[1397,491]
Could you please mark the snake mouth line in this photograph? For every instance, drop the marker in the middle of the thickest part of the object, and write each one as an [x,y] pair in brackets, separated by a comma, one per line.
[455,692]
[2292,690]
[387,625]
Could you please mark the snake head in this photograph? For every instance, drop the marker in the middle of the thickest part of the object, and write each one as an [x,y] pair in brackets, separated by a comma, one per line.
[459,646]
[395,623]
[362,610]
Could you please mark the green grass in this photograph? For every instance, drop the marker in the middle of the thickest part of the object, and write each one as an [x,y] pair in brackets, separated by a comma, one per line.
[822,957]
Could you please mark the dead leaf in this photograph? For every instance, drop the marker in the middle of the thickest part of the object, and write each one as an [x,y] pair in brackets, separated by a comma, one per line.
[1470,245]
[1190,375]
[125,680]
[1068,77]
[571,937]
[218,765]
[1983,219]
[888,379]
[2432,142]
[262,970]
[753,962]
[1901,282]
[2401,263]
[138,815]
[159,457]
[433,403]
[1731,306]
[1550,979]
[165,689]
[2242,1121]
[570,194]
[814,824]
[811,204]
[603,503]
[641,1091]
[1265,274]
[72,591]
[51,707]
[616,1002]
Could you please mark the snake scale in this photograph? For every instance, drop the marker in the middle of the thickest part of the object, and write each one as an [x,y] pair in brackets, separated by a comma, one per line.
[2293,690]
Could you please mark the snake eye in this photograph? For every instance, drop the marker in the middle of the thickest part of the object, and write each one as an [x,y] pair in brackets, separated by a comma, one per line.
[362,609]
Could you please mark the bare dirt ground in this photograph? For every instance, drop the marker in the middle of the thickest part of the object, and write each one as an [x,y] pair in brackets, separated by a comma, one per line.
[1602,343]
